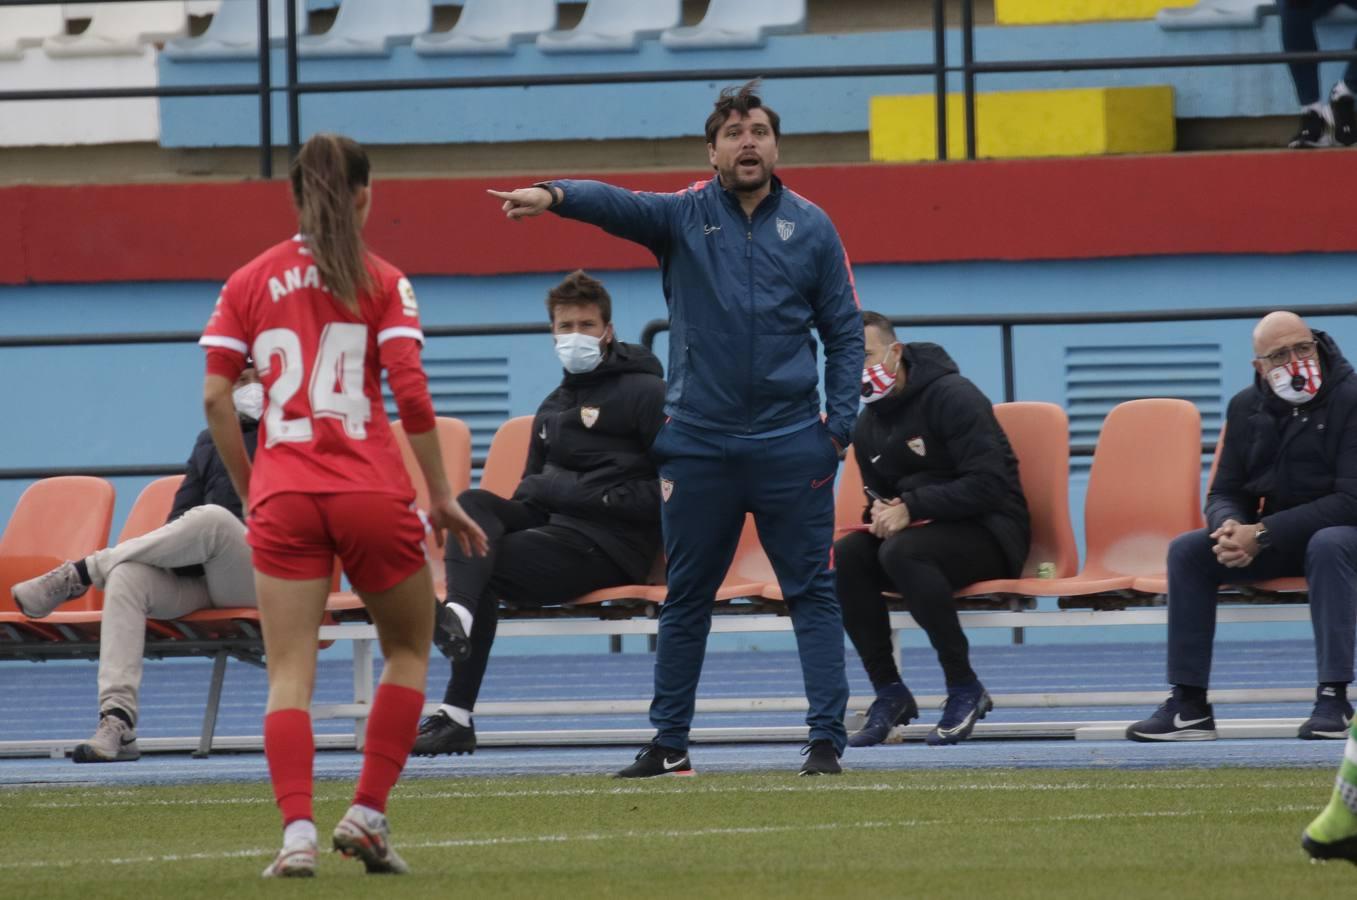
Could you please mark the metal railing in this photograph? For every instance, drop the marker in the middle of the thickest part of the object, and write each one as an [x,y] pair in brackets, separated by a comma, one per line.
[937,68]
[1006,323]
[500,329]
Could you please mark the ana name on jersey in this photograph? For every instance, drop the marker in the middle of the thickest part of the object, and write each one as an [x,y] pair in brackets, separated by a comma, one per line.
[293,279]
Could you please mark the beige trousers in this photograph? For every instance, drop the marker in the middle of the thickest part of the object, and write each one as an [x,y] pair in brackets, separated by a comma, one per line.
[138,585]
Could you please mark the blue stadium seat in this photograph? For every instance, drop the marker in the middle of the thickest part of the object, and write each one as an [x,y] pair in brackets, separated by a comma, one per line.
[738,23]
[490,26]
[233,32]
[28,26]
[369,28]
[121,28]
[612,25]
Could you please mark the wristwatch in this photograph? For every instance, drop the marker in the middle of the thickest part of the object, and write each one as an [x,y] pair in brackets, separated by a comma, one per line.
[1261,536]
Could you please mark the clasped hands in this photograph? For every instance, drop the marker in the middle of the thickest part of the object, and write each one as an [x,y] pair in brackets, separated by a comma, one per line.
[1236,544]
[889,517]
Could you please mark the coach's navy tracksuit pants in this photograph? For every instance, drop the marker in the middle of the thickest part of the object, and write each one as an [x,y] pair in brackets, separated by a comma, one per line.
[709,481]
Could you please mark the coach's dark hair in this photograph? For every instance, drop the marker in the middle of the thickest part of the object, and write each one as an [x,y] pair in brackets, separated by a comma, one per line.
[881,324]
[325,175]
[578,289]
[743,100]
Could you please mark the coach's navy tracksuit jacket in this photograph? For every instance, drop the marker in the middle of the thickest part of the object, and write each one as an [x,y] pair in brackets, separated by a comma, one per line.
[745,433]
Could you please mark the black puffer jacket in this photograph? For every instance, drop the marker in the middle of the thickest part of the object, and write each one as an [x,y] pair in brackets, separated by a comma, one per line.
[589,464]
[206,480]
[1297,465]
[937,446]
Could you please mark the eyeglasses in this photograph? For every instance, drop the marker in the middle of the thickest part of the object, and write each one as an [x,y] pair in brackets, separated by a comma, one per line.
[1303,350]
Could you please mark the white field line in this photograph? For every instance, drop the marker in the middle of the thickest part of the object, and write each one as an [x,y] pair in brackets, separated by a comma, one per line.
[412,793]
[594,837]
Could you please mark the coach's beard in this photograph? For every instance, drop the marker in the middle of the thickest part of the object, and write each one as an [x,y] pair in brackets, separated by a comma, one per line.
[746,180]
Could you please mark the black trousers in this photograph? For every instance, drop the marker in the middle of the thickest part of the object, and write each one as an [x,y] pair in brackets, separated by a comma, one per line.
[530,564]
[924,565]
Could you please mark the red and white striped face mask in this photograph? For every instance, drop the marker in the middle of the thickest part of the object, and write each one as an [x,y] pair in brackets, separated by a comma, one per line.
[877,382]
[1297,382]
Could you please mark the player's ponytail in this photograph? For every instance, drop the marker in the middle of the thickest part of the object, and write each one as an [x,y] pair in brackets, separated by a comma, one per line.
[326,174]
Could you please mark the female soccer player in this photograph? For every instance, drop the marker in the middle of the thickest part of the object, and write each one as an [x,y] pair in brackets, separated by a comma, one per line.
[322,318]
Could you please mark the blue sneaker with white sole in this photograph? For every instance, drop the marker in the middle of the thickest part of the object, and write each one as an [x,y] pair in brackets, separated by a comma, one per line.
[894,705]
[965,706]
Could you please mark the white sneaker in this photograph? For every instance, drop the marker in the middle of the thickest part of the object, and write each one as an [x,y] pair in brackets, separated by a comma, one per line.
[368,838]
[298,861]
[37,597]
[114,741]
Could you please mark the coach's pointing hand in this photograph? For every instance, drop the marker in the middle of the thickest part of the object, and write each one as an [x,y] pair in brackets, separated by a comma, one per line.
[525,202]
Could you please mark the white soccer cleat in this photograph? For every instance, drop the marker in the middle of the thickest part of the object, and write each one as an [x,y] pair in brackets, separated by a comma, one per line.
[368,837]
[298,861]
[113,741]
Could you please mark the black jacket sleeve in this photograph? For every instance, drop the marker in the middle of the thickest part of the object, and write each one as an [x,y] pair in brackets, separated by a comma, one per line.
[1227,498]
[191,491]
[1291,529]
[964,418]
[871,478]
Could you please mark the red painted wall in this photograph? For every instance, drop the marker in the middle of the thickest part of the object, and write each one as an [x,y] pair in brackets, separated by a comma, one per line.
[1009,210]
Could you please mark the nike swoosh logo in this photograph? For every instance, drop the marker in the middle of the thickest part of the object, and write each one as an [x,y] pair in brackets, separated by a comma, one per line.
[875,458]
[821,483]
[543,435]
[128,740]
[672,765]
[1180,722]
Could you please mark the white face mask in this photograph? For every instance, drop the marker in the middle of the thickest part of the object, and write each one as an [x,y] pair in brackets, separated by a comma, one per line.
[578,352]
[1297,382]
[249,400]
[877,382]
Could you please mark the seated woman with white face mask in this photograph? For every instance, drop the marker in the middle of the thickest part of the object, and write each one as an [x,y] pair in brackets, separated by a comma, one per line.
[197,560]
[586,515]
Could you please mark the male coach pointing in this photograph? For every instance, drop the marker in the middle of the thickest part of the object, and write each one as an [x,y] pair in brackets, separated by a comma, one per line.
[748,268]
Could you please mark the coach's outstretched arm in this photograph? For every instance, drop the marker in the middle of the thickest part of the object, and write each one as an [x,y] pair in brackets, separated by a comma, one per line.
[632,215]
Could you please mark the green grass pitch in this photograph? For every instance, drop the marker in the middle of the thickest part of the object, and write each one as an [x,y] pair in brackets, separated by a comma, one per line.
[979,833]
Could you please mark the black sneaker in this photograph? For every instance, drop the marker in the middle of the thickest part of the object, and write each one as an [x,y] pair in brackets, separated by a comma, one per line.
[449,636]
[1345,848]
[1344,112]
[963,708]
[439,734]
[1177,719]
[1330,718]
[894,705]
[1314,131]
[657,759]
[821,759]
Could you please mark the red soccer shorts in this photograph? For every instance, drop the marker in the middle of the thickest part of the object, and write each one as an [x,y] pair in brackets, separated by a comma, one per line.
[378,538]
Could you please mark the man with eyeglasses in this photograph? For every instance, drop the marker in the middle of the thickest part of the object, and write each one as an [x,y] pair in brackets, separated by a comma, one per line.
[1283,503]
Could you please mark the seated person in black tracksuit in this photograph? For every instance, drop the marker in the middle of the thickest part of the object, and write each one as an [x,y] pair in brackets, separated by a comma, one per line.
[587,513]
[945,509]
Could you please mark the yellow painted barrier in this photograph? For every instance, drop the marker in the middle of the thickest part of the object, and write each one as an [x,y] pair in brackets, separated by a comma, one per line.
[1012,124]
[1049,12]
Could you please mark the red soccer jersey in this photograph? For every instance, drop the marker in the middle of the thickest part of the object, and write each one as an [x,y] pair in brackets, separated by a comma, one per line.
[324,428]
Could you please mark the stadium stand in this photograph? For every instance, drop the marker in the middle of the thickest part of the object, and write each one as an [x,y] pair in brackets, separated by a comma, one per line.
[233,32]
[121,28]
[613,25]
[490,26]
[735,24]
[28,26]
[369,28]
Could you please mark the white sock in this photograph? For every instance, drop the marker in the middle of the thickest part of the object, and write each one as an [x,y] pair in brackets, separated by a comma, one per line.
[1319,106]
[302,831]
[1340,89]
[372,815]
[462,613]
[457,714]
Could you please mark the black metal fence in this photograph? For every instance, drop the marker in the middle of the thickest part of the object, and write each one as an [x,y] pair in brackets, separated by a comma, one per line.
[937,68]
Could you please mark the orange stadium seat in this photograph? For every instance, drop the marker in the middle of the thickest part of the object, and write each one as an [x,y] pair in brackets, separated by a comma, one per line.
[56,519]
[1144,490]
[454,440]
[507,456]
[1040,436]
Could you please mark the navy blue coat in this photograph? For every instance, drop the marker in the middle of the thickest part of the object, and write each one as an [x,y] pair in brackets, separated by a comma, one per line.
[205,477]
[744,293]
[1292,467]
